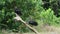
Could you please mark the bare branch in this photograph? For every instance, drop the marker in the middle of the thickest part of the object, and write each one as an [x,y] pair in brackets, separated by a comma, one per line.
[20,19]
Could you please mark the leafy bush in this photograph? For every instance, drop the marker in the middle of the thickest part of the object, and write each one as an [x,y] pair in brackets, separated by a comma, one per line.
[48,18]
[27,7]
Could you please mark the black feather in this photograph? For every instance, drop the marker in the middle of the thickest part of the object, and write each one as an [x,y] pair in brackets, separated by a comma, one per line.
[18,11]
[33,23]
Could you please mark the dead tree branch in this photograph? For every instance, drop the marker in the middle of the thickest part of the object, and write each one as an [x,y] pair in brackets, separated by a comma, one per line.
[20,19]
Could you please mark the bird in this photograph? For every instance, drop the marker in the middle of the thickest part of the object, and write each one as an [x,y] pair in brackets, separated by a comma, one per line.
[33,23]
[18,11]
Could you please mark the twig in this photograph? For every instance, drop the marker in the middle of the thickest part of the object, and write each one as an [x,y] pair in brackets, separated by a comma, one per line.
[20,19]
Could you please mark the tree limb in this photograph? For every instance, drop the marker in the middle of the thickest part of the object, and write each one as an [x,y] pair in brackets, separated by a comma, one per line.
[20,19]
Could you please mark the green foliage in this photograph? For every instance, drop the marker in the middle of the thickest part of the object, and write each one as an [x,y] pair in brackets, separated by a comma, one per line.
[29,8]
[47,16]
